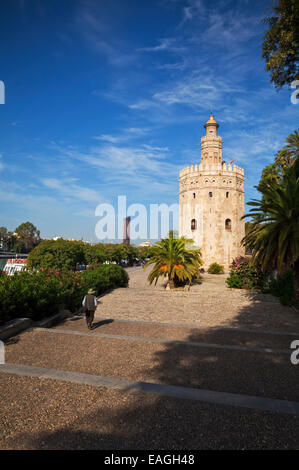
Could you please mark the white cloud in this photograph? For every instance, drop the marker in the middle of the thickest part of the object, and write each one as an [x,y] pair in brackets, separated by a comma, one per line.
[69,188]
[166,44]
[108,138]
[125,135]
[198,90]
[141,170]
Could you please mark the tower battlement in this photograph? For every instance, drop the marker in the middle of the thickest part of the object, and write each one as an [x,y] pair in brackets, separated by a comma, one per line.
[214,167]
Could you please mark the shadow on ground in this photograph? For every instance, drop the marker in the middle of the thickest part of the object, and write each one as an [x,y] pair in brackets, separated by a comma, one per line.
[146,421]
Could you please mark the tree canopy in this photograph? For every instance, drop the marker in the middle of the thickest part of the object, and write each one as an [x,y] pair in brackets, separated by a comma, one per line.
[281,43]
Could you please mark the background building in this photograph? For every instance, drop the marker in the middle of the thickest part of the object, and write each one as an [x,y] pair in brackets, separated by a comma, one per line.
[126,237]
[212,202]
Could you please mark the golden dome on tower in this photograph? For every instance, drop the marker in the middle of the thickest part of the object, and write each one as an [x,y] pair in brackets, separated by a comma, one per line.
[211,122]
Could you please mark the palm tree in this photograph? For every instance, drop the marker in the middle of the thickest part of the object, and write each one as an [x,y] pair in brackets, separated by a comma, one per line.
[292,146]
[274,230]
[173,260]
[284,159]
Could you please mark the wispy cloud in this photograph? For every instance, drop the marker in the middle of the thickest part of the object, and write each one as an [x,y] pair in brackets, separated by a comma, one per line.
[141,169]
[70,188]
[165,44]
[124,136]
[197,91]
[99,26]
[109,138]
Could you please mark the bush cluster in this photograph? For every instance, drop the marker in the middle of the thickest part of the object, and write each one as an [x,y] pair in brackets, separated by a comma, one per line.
[245,276]
[216,268]
[40,294]
[284,288]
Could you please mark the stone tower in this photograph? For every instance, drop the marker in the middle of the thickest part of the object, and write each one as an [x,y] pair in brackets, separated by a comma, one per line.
[212,202]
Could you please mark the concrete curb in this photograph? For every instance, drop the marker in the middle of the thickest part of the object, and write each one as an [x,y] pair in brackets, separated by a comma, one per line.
[169,341]
[13,327]
[49,321]
[16,326]
[273,405]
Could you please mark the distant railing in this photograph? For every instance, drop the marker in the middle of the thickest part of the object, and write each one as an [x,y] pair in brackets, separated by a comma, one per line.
[11,254]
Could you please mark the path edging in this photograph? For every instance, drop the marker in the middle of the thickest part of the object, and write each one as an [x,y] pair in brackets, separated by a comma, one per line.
[265,404]
[17,325]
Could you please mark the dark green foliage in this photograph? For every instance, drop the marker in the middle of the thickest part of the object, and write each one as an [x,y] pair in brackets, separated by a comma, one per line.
[23,240]
[234,280]
[66,254]
[284,159]
[106,276]
[281,43]
[40,294]
[274,229]
[215,268]
[56,254]
[93,254]
[243,275]
[284,288]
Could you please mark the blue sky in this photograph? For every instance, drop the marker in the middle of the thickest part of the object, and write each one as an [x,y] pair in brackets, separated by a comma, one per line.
[109,97]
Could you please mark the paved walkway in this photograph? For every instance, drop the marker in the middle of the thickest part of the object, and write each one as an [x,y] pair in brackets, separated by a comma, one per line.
[211,303]
[147,378]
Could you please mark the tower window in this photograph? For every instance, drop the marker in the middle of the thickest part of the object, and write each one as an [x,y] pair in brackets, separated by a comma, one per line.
[210,194]
[228,224]
[193,224]
[227,194]
[194,195]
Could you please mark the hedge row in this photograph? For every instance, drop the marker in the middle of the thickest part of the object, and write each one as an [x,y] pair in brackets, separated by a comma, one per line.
[41,294]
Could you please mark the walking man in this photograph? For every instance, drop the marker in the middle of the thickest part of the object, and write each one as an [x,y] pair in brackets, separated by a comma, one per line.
[90,304]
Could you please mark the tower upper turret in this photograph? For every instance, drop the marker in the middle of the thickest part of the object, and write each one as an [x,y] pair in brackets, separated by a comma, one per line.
[211,144]
[211,125]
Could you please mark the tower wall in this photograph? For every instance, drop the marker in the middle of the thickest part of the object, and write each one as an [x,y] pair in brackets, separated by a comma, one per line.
[213,222]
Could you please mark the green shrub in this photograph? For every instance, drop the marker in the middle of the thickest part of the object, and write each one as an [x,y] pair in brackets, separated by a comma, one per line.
[234,280]
[245,276]
[216,268]
[40,294]
[284,288]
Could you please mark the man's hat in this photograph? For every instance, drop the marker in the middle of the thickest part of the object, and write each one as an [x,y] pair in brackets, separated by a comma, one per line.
[91,291]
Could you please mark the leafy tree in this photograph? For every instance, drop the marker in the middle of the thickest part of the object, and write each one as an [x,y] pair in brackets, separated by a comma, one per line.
[281,43]
[93,254]
[173,260]
[3,238]
[127,252]
[120,251]
[145,252]
[57,254]
[28,234]
[8,241]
